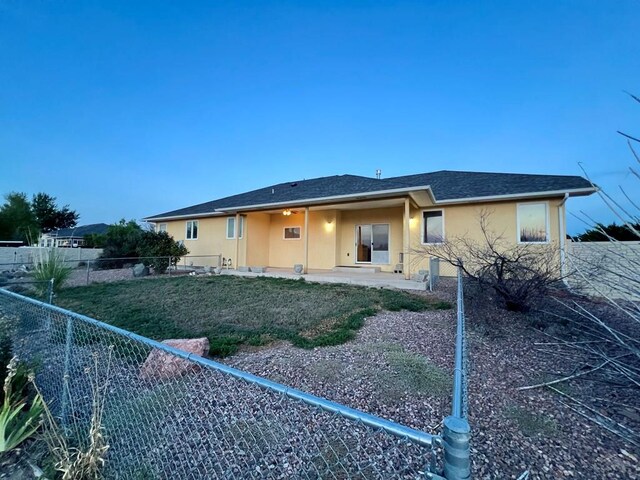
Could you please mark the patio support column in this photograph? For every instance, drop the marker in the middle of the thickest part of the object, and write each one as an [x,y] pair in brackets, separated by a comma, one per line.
[237,235]
[306,240]
[406,240]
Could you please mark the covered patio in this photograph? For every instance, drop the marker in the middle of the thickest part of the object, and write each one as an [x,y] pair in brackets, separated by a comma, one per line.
[365,279]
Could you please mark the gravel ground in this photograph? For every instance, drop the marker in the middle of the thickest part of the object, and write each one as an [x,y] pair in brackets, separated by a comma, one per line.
[513,431]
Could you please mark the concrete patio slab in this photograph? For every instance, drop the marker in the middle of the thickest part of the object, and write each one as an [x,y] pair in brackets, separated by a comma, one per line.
[378,280]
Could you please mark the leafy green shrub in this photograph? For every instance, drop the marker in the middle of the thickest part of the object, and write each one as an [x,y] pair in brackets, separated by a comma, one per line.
[94,240]
[160,246]
[121,242]
[126,242]
[50,265]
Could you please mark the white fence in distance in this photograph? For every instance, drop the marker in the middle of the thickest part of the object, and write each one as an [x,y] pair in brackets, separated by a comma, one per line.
[11,257]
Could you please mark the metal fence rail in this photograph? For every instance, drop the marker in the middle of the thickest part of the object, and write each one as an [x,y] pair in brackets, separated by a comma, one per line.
[456,431]
[209,421]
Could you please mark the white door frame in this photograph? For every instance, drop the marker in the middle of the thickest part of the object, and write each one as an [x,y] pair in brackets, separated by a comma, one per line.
[355,236]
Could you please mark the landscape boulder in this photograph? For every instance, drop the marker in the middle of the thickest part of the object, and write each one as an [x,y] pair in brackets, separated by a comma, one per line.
[140,270]
[298,268]
[164,365]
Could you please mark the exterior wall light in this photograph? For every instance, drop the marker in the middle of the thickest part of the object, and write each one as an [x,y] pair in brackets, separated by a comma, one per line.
[286,212]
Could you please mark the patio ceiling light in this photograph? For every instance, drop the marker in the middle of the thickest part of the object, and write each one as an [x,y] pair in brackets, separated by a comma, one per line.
[286,212]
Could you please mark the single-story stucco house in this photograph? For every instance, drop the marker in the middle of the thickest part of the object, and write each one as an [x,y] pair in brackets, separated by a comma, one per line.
[71,237]
[349,220]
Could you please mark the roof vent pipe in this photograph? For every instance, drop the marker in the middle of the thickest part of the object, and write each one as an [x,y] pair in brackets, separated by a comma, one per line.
[378,173]
[273,190]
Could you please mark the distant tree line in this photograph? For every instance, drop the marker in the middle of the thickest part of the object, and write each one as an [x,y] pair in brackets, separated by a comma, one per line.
[605,233]
[24,220]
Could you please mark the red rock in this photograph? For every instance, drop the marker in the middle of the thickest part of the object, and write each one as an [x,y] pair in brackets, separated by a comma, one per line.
[163,365]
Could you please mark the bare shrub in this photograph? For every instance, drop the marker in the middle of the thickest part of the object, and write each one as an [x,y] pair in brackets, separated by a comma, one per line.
[519,274]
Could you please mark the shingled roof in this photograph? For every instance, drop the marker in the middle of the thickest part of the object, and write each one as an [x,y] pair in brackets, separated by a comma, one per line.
[445,186]
[79,232]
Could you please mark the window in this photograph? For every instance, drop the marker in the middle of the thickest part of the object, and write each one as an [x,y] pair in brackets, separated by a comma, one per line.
[433,226]
[162,227]
[231,227]
[533,223]
[291,233]
[192,230]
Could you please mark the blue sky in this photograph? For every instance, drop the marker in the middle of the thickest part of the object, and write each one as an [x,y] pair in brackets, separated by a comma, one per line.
[127,109]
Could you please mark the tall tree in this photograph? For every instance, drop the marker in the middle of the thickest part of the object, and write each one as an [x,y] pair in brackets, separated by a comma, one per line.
[17,220]
[49,216]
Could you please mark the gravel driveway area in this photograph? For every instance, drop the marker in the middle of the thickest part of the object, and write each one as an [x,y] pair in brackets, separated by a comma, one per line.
[513,431]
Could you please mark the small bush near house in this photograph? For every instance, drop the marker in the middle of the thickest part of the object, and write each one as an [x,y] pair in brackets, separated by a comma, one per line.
[126,242]
[518,275]
[162,247]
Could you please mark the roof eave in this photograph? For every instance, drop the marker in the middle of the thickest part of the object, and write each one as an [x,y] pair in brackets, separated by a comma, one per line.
[179,217]
[575,192]
[323,200]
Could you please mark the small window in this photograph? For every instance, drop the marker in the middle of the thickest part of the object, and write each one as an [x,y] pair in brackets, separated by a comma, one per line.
[162,227]
[533,223]
[231,227]
[433,226]
[291,233]
[192,230]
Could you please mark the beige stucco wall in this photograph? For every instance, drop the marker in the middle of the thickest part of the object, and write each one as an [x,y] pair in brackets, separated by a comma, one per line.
[464,221]
[332,234]
[322,240]
[211,240]
[348,221]
[257,233]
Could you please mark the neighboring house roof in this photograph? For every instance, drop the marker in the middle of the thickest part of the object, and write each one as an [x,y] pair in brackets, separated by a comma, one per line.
[444,186]
[94,228]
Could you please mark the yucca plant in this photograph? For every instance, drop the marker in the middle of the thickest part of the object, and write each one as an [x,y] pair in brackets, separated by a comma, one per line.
[49,264]
[17,423]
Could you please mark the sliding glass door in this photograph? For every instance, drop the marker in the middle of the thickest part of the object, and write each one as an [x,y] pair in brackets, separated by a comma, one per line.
[372,243]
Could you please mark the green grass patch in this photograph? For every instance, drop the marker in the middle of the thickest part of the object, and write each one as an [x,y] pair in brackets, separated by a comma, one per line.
[415,374]
[235,311]
[530,424]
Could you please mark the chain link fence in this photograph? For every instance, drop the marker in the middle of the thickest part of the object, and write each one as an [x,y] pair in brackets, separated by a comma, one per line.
[456,434]
[99,269]
[170,414]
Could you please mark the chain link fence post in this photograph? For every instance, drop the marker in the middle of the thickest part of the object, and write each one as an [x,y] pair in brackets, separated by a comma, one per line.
[50,296]
[64,401]
[455,438]
[88,270]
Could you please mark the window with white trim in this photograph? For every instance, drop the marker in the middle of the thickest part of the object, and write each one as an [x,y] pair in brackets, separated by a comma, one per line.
[533,223]
[292,233]
[231,227]
[162,227]
[192,230]
[432,226]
